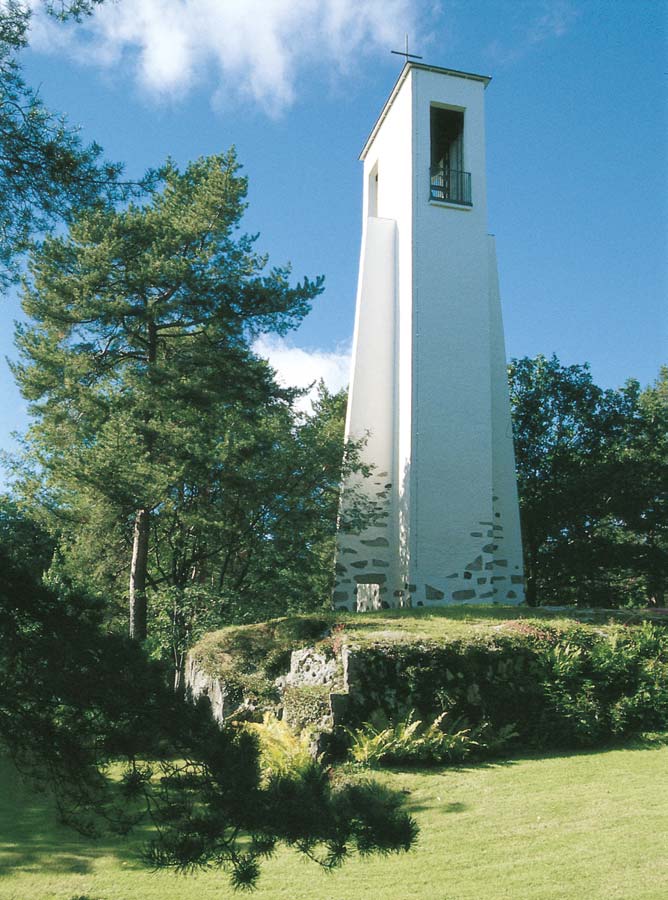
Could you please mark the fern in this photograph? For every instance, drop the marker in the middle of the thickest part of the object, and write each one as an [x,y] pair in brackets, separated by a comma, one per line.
[282,751]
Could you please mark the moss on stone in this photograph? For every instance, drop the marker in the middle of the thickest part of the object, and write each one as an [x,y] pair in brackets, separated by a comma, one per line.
[306,705]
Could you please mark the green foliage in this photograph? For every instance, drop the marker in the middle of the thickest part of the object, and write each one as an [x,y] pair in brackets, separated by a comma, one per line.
[411,741]
[46,173]
[554,687]
[591,465]
[157,433]
[306,704]
[283,751]
[251,657]
[27,545]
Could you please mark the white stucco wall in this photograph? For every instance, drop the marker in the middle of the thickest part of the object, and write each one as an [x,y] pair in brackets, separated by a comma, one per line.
[428,353]
[508,537]
[367,558]
[452,424]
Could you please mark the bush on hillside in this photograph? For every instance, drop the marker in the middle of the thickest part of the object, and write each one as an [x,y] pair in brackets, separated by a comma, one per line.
[556,687]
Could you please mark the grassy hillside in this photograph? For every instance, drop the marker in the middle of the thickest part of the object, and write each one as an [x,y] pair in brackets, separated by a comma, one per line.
[269,642]
[559,828]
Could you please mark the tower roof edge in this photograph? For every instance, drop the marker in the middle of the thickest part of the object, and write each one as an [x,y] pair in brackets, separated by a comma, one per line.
[485,79]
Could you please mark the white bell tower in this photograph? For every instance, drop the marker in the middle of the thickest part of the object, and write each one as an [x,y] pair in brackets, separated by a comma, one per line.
[429,383]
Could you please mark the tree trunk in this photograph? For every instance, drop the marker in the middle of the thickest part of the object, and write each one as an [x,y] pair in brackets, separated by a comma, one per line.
[138,570]
[179,674]
[139,565]
[530,553]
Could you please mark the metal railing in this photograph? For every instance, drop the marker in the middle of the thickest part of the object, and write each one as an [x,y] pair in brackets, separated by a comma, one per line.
[450,185]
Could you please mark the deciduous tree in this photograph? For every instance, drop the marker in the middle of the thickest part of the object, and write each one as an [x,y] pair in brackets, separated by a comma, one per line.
[592,466]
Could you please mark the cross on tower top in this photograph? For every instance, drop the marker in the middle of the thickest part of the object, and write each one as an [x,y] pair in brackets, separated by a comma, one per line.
[405,52]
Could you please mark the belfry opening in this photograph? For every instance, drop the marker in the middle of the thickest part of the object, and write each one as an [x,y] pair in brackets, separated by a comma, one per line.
[448,179]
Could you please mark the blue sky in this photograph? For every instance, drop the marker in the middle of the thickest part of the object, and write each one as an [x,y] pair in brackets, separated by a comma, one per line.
[576,145]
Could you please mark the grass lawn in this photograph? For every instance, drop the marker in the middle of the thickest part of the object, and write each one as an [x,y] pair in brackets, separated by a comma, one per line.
[586,825]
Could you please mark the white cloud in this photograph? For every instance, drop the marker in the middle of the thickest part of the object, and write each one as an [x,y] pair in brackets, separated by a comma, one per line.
[297,367]
[258,48]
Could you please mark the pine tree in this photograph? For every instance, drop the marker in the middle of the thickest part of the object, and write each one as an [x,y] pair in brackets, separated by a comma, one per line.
[137,355]
[47,173]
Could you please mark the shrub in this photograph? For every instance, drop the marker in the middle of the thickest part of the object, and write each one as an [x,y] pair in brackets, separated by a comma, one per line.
[410,741]
[555,687]
[283,753]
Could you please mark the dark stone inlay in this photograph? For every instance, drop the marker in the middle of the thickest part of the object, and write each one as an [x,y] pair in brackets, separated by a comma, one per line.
[454,575]
[376,542]
[476,534]
[489,565]
[517,579]
[486,595]
[371,578]
[359,564]
[340,569]
[348,550]
[481,580]
[511,595]
[419,603]
[463,595]
[502,563]
[432,593]
[476,565]
[490,548]
[496,578]
[468,575]
[379,562]
[340,596]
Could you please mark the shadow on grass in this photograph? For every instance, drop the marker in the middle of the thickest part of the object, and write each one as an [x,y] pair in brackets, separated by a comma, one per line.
[646,741]
[643,742]
[32,839]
